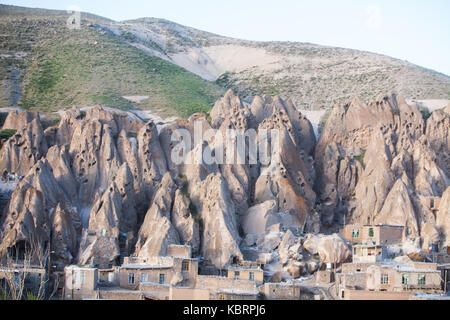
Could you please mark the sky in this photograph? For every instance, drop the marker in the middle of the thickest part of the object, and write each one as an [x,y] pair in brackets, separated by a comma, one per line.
[414,30]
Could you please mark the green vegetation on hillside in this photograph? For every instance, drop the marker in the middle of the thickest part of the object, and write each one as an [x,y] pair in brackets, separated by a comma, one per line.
[426,114]
[7,133]
[65,68]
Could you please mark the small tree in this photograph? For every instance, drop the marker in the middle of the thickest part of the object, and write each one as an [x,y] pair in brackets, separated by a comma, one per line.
[18,270]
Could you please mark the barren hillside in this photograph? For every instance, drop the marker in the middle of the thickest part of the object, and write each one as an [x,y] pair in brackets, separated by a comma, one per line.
[313,76]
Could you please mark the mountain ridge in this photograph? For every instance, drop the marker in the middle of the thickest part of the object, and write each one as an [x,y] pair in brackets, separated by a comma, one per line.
[313,76]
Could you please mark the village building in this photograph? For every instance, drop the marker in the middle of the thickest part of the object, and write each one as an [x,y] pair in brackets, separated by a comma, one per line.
[381,234]
[368,253]
[174,277]
[281,291]
[324,276]
[388,280]
[246,273]
[80,283]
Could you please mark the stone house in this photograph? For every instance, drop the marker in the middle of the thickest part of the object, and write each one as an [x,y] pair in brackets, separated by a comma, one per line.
[160,270]
[80,283]
[382,234]
[109,277]
[226,288]
[387,280]
[246,273]
[170,278]
[418,277]
[324,277]
[281,291]
[368,253]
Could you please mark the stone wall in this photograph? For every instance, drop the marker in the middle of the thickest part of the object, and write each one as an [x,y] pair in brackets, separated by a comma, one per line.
[179,251]
[375,295]
[244,274]
[152,276]
[356,267]
[215,283]
[356,280]
[281,291]
[188,294]
[324,277]
[120,295]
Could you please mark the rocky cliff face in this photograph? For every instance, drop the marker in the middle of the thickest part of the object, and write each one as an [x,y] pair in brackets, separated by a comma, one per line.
[381,163]
[98,186]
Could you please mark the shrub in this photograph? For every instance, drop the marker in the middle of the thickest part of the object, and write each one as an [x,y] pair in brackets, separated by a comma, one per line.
[7,133]
[426,114]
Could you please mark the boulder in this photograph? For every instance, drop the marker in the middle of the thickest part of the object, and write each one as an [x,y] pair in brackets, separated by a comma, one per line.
[333,249]
[311,244]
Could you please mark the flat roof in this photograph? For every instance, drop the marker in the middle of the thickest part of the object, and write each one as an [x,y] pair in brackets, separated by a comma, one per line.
[244,268]
[145,266]
[367,245]
[156,284]
[239,292]
[376,225]
[402,267]
[80,268]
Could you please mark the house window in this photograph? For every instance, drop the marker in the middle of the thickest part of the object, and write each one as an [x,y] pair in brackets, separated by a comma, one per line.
[405,279]
[371,233]
[144,277]
[236,274]
[224,273]
[354,251]
[355,233]
[384,279]
[79,277]
[185,266]
[131,278]
[252,276]
[161,278]
[422,279]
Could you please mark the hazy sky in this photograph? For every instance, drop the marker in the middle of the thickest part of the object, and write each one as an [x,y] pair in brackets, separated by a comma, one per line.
[413,30]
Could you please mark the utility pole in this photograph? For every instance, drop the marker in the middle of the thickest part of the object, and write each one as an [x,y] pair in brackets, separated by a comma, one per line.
[445,280]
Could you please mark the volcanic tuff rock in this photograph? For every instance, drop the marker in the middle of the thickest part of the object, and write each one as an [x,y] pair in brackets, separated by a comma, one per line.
[31,208]
[220,238]
[185,221]
[23,150]
[381,163]
[19,120]
[64,236]
[157,231]
[100,186]
[443,218]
